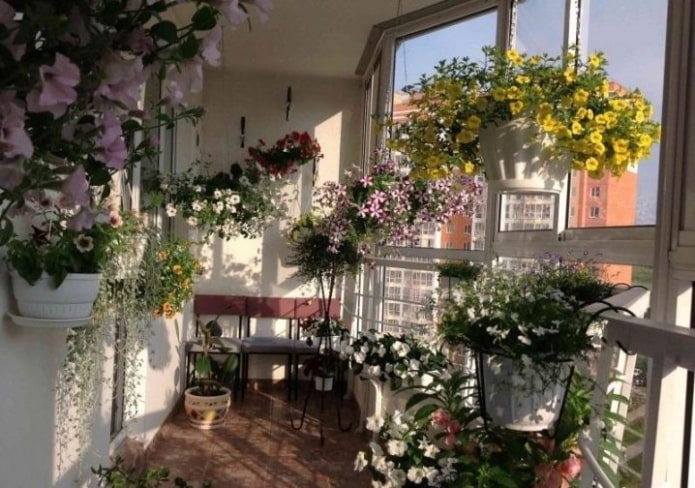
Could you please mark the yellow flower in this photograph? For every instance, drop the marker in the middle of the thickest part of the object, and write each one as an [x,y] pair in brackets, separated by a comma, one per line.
[591,164]
[577,128]
[515,107]
[499,94]
[465,136]
[594,61]
[645,140]
[522,79]
[481,103]
[570,75]
[534,60]
[581,96]
[600,119]
[611,119]
[595,137]
[468,167]
[639,116]
[605,88]
[566,102]
[618,104]
[513,92]
[620,146]
[162,255]
[514,57]
[473,122]
[177,269]
[455,90]
[599,148]
[545,109]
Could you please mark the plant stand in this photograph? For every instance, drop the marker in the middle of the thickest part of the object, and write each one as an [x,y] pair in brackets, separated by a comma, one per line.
[322,392]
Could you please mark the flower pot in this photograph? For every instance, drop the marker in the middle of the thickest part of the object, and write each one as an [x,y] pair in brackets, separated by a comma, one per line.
[334,342]
[73,299]
[128,264]
[517,156]
[447,286]
[518,397]
[206,412]
[323,383]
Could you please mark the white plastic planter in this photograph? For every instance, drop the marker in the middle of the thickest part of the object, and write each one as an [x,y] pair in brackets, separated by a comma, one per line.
[517,157]
[518,398]
[73,299]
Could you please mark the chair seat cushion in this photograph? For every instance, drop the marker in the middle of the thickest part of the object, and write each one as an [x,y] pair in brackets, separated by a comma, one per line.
[269,345]
[231,345]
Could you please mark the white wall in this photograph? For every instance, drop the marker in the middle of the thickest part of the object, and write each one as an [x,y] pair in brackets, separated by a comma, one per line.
[330,110]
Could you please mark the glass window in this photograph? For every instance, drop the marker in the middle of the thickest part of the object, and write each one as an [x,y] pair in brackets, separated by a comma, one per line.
[594,212]
[528,211]
[540,26]
[595,191]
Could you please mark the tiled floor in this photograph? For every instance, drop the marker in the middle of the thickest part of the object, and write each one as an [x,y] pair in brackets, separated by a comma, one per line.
[257,446]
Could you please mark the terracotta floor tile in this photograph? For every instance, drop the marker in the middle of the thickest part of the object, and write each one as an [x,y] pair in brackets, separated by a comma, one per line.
[257,446]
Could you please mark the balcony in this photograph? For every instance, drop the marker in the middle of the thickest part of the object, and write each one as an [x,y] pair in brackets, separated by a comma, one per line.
[335,69]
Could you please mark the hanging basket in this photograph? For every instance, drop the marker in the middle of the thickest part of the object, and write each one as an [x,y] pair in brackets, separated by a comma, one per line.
[517,157]
[73,299]
[519,397]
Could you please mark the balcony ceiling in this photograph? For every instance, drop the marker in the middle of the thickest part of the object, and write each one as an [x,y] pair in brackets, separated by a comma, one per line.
[310,37]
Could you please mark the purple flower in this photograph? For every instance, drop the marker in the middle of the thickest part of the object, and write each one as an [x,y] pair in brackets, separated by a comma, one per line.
[76,188]
[57,91]
[14,139]
[112,149]
[123,79]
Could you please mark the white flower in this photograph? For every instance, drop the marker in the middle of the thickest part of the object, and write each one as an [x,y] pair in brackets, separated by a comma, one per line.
[431,451]
[375,423]
[164,186]
[388,368]
[380,464]
[397,477]
[374,370]
[217,207]
[360,461]
[396,447]
[376,449]
[414,365]
[381,351]
[217,194]
[235,199]
[197,205]
[192,221]
[365,348]
[524,340]
[171,210]
[416,474]
[359,357]
[197,188]
[431,474]
[244,181]
[83,243]
[401,348]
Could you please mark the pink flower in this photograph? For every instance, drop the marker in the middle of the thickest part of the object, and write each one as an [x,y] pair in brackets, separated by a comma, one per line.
[11,173]
[115,219]
[113,151]
[184,79]
[139,41]
[449,441]
[123,81]
[232,11]
[441,417]
[570,467]
[453,427]
[57,87]
[84,219]
[211,44]
[7,14]
[76,188]
[14,139]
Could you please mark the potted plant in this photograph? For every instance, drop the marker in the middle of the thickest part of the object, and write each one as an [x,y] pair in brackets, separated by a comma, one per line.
[242,201]
[286,155]
[328,333]
[207,402]
[323,367]
[562,112]
[55,264]
[527,332]
[451,273]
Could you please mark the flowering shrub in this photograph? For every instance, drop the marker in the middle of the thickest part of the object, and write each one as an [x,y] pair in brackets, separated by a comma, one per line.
[243,201]
[61,241]
[601,127]
[387,206]
[288,153]
[524,316]
[439,441]
[177,267]
[393,358]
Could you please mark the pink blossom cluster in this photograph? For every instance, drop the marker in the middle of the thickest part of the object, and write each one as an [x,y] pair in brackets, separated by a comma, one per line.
[448,425]
[73,82]
[387,206]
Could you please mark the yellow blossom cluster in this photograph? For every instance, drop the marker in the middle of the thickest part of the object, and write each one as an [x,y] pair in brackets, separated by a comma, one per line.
[177,268]
[598,125]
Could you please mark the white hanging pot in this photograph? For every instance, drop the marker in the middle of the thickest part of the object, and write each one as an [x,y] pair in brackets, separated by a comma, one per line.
[518,397]
[517,156]
[128,263]
[206,412]
[323,383]
[73,299]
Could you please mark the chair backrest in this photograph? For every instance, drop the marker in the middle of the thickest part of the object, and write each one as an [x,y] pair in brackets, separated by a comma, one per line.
[313,307]
[270,307]
[219,305]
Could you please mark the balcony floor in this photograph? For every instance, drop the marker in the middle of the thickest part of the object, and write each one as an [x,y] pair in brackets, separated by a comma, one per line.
[257,446]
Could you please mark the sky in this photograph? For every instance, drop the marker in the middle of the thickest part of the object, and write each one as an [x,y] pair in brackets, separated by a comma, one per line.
[635,61]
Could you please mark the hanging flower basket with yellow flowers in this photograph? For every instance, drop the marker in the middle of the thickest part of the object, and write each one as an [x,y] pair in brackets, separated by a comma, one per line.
[577,115]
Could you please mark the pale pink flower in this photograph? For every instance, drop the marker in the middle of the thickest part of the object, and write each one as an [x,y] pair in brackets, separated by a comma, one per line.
[76,188]
[7,14]
[84,219]
[232,11]
[112,149]
[449,441]
[11,173]
[57,87]
[14,139]
[115,220]
[183,79]
[441,417]
[123,80]
[139,41]
[83,243]
[211,44]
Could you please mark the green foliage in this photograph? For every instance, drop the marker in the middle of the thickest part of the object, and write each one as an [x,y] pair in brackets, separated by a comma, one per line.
[210,375]
[463,270]
[118,476]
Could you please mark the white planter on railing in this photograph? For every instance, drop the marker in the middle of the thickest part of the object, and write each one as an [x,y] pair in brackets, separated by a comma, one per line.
[517,156]
[323,383]
[519,398]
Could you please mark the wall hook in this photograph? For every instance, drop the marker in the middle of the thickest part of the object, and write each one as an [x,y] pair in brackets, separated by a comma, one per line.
[242,132]
[288,106]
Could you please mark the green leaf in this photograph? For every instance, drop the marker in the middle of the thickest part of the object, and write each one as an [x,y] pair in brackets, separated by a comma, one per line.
[204,19]
[189,48]
[215,328]
[165,30]
[6,231]
[202,366]
[416,398]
